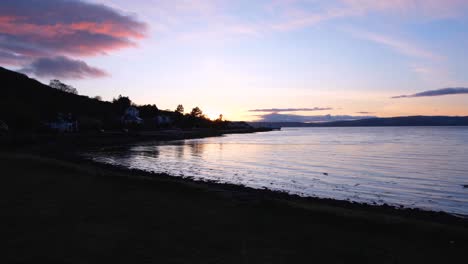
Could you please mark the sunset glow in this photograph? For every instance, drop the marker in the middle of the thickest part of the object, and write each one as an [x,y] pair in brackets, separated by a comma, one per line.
[234,131]
[228,57]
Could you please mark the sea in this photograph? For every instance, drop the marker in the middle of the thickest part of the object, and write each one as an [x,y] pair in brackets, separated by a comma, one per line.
[410,167]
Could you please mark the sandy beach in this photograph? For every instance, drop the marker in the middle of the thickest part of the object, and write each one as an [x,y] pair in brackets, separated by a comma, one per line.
[62,209]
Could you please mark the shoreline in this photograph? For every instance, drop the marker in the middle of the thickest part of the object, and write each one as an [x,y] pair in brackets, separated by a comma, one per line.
[60,210]
[266,193]
[70,149]
[61,207]
[249,194]
[397,209]
[86,139]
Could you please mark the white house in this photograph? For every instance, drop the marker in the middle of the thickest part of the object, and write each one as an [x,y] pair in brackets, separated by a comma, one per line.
[131,116]
[3,127]
[63,124]
[163,120]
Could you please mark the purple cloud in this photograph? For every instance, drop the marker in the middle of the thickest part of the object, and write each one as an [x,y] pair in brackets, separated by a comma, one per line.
[439,92]
[11,59]
[49,28]
[277,110]
[275,117]
[62,67]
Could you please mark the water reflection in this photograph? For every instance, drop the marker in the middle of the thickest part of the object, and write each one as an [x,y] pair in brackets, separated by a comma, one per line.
[179,151]
[150,152]
[196,149]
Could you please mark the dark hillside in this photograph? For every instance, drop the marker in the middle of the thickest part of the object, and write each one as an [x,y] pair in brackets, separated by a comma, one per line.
[25,103]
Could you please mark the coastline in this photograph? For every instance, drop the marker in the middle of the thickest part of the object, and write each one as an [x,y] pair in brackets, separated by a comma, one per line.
[51,185]
[83,140]
[246,193]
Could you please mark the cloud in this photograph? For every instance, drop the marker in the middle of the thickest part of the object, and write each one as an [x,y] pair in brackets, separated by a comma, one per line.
[220,19]
[365,113]
[439,92]
[50,28]
[414,8]
[276,110]
[292,14]
[275,117]
[398,45]
[309,19]
[8,58]
[62,67]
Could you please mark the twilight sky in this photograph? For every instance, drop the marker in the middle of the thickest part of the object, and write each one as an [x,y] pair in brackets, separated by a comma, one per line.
[250,59]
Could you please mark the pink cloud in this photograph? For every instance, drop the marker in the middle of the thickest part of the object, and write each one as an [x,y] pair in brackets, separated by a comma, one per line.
[63,28]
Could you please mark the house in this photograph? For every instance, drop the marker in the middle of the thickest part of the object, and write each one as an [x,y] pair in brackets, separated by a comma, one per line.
[131,116]
[63,123]
[163,120]
[3,127]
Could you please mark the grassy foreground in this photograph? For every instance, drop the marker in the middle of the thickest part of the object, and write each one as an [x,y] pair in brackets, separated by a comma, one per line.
[57,211]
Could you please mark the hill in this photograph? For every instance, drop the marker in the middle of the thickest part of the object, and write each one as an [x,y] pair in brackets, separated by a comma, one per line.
[25,103]
[390,121]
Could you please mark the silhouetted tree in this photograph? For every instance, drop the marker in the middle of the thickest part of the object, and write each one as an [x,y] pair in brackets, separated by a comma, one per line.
[180,109]
[122,103]
[57,84]
[97,97]
[196,112]
[220,118]
[148,111]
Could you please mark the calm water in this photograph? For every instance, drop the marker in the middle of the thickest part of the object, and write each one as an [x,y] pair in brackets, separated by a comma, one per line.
[423,167]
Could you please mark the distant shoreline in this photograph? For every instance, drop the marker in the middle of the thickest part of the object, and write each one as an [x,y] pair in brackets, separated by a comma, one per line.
[406,121]
[75,141]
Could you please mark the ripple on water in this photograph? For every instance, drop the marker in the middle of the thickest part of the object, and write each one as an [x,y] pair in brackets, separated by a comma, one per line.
[421,167]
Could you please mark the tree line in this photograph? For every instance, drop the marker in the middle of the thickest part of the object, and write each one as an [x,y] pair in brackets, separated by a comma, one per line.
[193,119]
[27,105]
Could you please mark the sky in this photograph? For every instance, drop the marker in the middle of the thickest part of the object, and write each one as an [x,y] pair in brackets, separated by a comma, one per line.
[300,60]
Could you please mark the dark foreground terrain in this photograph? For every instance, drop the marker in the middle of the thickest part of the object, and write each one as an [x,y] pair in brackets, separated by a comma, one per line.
[59,211]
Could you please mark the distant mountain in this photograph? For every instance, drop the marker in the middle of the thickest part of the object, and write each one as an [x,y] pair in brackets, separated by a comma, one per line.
[390,121]
[283,118]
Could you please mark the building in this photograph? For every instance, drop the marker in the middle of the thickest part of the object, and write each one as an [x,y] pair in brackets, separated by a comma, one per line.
[132,116]
[163,120]
[3,127]
[63,123]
